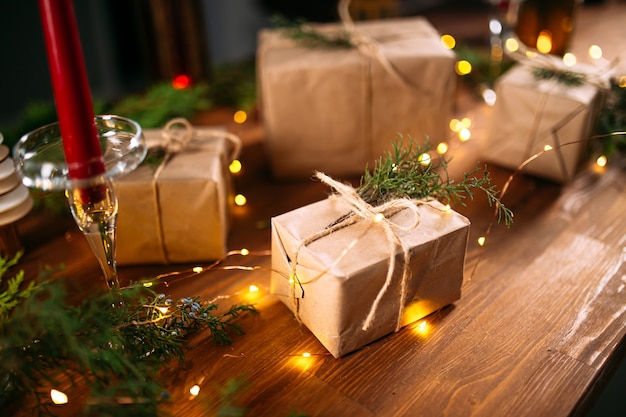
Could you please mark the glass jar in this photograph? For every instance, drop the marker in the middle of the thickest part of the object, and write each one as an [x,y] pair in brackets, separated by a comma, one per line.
[546,25]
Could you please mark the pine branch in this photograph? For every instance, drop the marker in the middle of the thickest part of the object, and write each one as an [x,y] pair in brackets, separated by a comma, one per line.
[406,174]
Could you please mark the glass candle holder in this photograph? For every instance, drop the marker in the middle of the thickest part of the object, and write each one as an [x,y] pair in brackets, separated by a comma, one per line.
[40,161]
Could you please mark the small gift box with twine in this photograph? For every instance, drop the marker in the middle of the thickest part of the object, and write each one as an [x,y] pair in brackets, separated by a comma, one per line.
[337,109]
[353,273]
[544,115]
[174,208]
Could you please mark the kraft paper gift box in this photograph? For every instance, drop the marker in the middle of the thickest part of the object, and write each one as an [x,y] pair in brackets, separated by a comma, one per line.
[182,214]
[340,275]
[531,114]
[336,110]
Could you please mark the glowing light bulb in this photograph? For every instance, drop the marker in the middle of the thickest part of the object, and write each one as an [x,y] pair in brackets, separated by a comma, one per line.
[240,200]
[601,161]
[446,208]
[467,122]
[306,355]
[547,148]
[253,288]
[448,41]
[489,96]
[544,42]
[569,59]
[235,166]
[58,397]
[495,26]
[148,284]
[442,148]
[465,134]
[424,159]
[181,81]
[378,217]
[197,269]
[456,125]
[622,81]
[481,240]
[244,252]
[463,67]
[195,390]
[595,52]
[240,116]
[163,310]
[511,44]
[422,328]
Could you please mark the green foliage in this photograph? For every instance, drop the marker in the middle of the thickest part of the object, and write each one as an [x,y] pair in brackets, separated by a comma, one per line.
[12,295]
[567,78]
[402,174]
[612,119]
[308,37]
[234,85]
[114,343]
[162,103]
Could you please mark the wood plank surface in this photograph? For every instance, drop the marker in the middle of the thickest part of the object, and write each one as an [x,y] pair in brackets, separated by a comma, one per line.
[540,323]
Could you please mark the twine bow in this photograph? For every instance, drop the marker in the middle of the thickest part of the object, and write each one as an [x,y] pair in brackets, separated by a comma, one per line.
[180,135]
[376,216]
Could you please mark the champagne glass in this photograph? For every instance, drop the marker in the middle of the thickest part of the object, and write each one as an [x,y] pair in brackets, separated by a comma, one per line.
[41,163]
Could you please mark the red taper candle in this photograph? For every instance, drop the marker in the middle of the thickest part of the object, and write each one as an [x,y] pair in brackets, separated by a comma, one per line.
[71,89]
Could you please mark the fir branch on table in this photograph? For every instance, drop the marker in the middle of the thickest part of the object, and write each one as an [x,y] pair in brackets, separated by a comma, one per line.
[402,174]
[117,352]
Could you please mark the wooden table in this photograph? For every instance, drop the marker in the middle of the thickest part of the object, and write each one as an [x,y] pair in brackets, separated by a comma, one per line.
[539,327]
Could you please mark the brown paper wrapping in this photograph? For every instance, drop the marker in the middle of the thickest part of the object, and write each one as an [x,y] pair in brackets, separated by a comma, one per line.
[530,114]
[192,207]
[335,306]
[336,110]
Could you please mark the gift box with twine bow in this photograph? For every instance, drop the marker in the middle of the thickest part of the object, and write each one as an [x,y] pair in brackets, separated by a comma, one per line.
[544,115]
[353,273]
[174,208]
[337,109]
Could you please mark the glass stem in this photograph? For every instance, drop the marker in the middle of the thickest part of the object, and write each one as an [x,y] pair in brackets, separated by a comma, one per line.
[94,208]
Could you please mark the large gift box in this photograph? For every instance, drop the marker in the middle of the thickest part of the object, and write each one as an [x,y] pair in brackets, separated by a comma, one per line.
[337,109]
[176,209]
[337,283]
[532,115]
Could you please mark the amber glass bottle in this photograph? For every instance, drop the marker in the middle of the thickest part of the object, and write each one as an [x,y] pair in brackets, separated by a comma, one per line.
[546,25]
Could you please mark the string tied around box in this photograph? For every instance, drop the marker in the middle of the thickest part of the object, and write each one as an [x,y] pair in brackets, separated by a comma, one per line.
[376,216]
[179,135]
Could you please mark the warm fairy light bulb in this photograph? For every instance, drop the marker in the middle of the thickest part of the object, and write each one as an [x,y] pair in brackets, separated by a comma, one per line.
[291,280]
[163,310]
[481,240]
[442,148]
[544,42]
[240,116]
[547,148]
[253,288]
[195,390]
[489,96]
[148,284]
[467,122]
[601,161]
[622,81]
[463,67]
[465,134]
[197,269]
[306,355]
[181,82]
[595,52]
[511,44]
[456,125]
[58,397]
[448,41]
[379,217]
[446,208]
[422,327]
[569,59]
[424,159]
[240,200]
[244,252]
[235,166]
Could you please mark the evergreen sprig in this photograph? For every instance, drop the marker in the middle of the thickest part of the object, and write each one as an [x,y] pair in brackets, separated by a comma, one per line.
[116,352]
[565,77]
[612,119]
[404,173]
[305,35]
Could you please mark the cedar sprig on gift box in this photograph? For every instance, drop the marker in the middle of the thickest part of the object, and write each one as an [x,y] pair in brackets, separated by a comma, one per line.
[308,37]
[410,172]
[117,353]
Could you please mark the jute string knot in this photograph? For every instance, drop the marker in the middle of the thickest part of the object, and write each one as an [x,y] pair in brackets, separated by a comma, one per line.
[179,135]
[375,216]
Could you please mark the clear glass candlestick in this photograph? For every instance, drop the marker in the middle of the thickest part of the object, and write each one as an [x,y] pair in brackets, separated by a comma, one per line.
[41,162]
